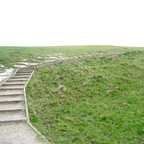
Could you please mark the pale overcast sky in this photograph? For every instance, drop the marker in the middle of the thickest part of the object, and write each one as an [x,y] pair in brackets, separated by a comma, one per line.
[71,22]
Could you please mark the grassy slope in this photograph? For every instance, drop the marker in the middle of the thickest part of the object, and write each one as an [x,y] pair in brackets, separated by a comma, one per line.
[90,101]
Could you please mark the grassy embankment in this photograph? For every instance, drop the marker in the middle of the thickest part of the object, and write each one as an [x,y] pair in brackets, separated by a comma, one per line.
[94,100]
[11,55]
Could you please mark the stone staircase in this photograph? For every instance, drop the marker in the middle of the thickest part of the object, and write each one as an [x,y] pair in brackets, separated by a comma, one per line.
[13,110]
[12,100]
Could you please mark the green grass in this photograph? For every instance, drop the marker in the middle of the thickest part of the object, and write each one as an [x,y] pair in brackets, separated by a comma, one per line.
[11,55]
[94,100]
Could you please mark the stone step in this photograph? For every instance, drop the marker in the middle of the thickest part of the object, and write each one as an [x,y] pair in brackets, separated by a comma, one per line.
[18,80]
[12,116]
[24,76]
[16,94]
[11,87]
[11,98]
[25,71]
[11,106]
[11,92]
[10,110]
[13,83]
[21,74]
[14,120]
[19,133]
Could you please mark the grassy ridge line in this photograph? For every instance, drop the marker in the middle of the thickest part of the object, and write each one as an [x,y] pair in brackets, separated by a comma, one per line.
[95,100]
[11,55]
